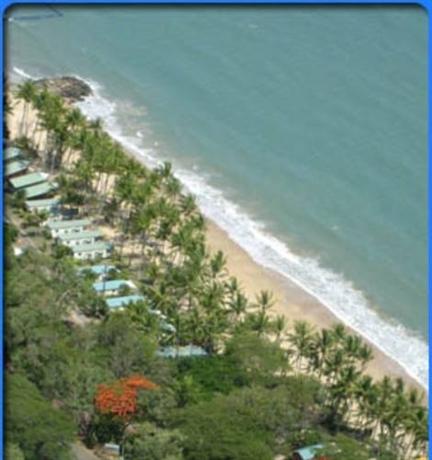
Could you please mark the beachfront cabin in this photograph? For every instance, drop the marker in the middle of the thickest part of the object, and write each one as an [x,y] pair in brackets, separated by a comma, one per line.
[63,227]
[112,287]
[79,238]
[101,271]
[28,180]
[44,189]
[100,249]
[14,168]
[118,303]
[49,205]
[309,453]
[12,153]
[188,351]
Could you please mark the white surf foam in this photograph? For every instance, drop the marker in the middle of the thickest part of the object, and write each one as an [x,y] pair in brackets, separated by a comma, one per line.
[330,288]
[20,74]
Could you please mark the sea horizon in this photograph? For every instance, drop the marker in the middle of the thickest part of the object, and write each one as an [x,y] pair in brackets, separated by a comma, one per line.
[253,226]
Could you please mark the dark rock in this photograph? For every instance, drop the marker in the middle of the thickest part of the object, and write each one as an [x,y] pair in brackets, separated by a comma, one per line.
[72,89]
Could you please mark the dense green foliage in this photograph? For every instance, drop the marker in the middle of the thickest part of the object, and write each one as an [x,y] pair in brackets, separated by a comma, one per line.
[264,389]
[40,431]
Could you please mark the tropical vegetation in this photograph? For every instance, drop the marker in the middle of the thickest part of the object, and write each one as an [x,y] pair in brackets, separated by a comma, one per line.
[75,370]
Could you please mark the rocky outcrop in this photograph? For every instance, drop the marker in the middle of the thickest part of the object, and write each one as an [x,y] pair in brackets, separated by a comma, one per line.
[72,89]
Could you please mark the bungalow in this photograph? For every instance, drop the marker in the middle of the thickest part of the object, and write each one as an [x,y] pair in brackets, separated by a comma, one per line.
[12,153]
[120,302]
[62,227]
[16,167]
[45,205]
[92,251]
[101,271]
[28,180]
[187,351]
[79,238]
[308,453]
[42,189]
[112,287]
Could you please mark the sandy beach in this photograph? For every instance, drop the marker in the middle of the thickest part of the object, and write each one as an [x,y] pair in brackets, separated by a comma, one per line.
[291,300]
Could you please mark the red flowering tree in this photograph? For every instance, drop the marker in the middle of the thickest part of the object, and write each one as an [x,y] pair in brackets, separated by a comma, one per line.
[120,398]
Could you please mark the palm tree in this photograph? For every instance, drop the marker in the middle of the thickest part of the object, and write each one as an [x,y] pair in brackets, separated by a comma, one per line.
[26,92]
[264,300]
[279,326]
[238,305]
[302,340]
[217,264]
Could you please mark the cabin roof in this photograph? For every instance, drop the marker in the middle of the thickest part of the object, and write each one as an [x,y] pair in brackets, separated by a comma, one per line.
[17,166]
[42,203]
[80,235]
[117,302]
[10,153]
[309,452]
[181,352]
[28,179]
[101,269]
[75,223]
[97,246]
[111,285]
[39,189]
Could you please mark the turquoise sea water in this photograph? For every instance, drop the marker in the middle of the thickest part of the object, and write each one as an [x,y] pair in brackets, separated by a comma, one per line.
[302,131]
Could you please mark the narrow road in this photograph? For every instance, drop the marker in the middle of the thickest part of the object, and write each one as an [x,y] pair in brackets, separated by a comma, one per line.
[80,452]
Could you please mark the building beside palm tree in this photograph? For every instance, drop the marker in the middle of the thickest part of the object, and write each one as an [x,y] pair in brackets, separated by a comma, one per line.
[187,351]
[101,270]
[79,238]
[16,167]
[112,287]
[119,303]
[49,205]
[97,250]
[12,153]
[63,227]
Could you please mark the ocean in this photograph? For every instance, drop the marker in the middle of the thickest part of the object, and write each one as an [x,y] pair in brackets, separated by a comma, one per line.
[302,131]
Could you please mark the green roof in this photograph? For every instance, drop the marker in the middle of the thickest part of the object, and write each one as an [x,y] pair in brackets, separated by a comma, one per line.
[15,167]
[58,224]
[38,190]
[12,153]
[42,203]
[80,235]
[98,246]
[29,179]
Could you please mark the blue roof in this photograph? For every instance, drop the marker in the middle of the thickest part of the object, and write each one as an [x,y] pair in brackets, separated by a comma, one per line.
[117,302]
[111,285]
[98,269]
[15,167]
[309,452]
[181,352]
[11,153]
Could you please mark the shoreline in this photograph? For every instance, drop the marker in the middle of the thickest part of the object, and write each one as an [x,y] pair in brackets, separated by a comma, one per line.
[291,300]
